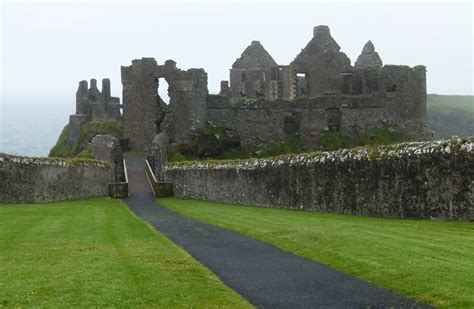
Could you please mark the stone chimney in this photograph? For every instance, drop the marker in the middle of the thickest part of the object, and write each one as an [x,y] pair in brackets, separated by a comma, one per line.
[80,93]
[321,30]
[106,89]
[368,57]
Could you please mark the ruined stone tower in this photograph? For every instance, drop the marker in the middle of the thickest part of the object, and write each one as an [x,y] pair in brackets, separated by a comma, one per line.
[92,104]
[145,113]
[141,104]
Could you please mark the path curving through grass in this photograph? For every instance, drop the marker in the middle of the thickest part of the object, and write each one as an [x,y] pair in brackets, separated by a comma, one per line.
[431,261]
[95,253]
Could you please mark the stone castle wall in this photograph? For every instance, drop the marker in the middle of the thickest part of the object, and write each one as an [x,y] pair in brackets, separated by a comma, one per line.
[412,180]
[141,104]
[37,180]
[92,104]
[319,90]
[264,123]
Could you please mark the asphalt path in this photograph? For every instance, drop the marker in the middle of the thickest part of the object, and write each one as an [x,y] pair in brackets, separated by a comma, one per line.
[266,276]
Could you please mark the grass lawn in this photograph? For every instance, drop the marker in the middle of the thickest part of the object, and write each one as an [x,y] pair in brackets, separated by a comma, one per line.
[95,253]
[431,261]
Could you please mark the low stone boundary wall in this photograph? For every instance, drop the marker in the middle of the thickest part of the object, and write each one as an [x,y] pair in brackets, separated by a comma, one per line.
[36,180]
[410,180]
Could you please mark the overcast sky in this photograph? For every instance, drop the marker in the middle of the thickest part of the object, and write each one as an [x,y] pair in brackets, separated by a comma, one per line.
[48,48]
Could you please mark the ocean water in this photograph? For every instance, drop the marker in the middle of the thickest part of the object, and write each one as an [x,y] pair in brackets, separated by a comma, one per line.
[32,127]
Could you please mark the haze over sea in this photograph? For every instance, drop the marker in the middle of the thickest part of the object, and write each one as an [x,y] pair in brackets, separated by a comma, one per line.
[30,126]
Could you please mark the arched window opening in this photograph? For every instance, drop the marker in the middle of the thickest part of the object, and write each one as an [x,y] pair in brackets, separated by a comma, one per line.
[163,90]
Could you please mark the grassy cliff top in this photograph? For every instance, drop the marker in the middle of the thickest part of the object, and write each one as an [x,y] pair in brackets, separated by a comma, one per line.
[451,115]
[88,131]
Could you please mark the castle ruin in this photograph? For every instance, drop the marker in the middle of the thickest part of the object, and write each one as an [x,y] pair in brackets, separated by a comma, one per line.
[92,104]
[264,101]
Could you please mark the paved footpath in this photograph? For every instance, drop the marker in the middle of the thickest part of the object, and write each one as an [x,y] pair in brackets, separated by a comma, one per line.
[263,274]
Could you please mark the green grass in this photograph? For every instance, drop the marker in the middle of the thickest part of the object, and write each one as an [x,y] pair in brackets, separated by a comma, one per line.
[464,102]
[431,261]
[95,253]
[88,131]
[328,141]
[451,115]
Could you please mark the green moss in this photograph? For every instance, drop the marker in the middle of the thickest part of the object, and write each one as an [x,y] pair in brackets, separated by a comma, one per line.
[212,129]
[96,127]
[292,144]
[383,137]
[80,161]
[333,140]
[176,156]
[239,153]
[328,141]
[57,160]
[374,154]
[87,132]
[453,143]
[86,153]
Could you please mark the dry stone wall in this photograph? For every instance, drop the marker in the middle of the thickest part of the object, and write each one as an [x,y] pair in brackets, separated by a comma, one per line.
[37,180]
[412,180]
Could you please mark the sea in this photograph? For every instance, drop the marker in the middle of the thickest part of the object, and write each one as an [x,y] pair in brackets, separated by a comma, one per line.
[30,127]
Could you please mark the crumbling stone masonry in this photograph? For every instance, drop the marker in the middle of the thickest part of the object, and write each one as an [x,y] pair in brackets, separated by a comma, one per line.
[107,148]
[142,109]
[145,114]
[265,101]
[432,180]
[92,104]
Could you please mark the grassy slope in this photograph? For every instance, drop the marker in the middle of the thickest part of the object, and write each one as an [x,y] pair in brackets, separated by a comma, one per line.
[95,253]
[328,141]
[432,261]
[451,115]
[87,132]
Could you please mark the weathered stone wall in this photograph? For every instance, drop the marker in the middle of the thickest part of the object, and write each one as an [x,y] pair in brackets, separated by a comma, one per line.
[141,104]
[412,180]
[188,94]
[264,123]
[36,180]
[107,148]
[92,104]
[323,63]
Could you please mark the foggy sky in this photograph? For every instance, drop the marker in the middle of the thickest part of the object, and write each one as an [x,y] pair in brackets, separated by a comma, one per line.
[48,48]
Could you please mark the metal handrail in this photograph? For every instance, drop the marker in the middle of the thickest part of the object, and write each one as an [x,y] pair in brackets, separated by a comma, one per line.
[125,170]
[124,183]
[152,181]
[150,171]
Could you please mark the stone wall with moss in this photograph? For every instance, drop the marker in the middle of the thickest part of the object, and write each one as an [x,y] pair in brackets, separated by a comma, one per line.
[264,123]
[409,180]
[37,180]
